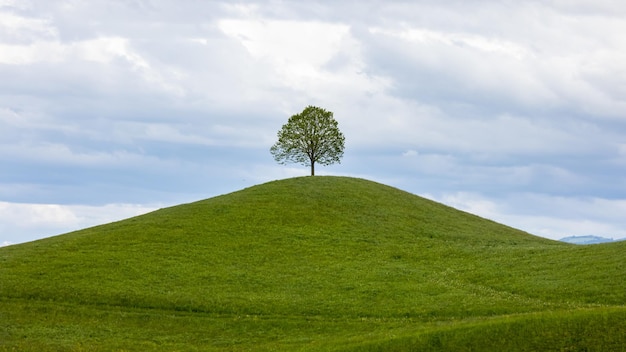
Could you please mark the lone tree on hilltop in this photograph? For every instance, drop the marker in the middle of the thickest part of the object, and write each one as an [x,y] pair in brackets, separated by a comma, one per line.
[309,137]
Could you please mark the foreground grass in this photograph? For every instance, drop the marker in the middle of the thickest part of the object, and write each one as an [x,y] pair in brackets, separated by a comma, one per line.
[579,330]
[44,326]
[319,263]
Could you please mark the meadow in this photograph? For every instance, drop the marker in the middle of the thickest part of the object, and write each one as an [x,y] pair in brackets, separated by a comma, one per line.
[311,264]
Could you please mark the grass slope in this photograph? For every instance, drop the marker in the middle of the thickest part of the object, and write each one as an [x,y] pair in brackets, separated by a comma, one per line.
[313,263]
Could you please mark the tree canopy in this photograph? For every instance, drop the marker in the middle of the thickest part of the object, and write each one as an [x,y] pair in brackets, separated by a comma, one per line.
[310,137]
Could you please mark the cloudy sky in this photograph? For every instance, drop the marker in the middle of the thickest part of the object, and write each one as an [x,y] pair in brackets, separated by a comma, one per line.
[512,110]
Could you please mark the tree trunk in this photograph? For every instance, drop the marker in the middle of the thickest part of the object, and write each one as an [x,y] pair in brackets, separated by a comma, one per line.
[312,169]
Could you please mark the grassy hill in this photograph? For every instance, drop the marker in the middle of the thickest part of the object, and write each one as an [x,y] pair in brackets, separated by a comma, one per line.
[312,263]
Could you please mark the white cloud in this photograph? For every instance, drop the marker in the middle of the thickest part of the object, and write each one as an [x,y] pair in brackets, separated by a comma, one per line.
[304,46]
[529,53]
[320,59]
[161,132]
[22,222]
[16,28]
[425,36]
[410,153]
[61,154]
[470,202]
[110,52]
[568,216]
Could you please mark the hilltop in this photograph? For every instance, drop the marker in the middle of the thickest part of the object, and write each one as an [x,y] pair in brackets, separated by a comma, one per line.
[311,262]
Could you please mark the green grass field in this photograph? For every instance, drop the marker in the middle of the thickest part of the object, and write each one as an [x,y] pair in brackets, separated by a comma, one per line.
[311,264]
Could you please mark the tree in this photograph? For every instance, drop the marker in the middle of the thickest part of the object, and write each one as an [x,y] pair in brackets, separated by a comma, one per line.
[309,137]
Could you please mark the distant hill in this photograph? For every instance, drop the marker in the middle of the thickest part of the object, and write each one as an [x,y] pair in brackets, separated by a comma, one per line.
[310,264]
[586,239]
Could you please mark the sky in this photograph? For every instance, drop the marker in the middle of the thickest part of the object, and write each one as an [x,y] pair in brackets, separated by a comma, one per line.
[512,110]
